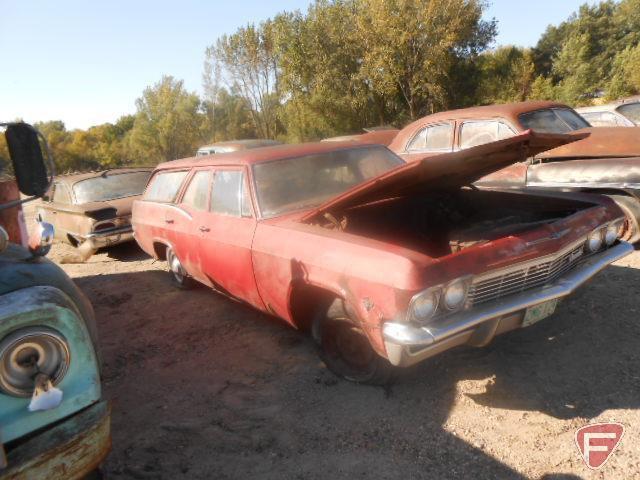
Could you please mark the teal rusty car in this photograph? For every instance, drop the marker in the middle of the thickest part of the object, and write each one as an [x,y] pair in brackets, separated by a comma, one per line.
[53,420]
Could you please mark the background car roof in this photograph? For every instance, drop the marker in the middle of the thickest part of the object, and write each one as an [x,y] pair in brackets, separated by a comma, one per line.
[76,177]
[510,111]
[242,144]
[261,155]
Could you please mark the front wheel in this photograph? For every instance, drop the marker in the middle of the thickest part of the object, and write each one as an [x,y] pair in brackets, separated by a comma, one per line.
[345,348]
[178,274]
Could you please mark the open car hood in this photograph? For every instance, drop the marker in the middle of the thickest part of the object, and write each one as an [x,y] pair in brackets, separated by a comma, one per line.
[602,142]
[445,171]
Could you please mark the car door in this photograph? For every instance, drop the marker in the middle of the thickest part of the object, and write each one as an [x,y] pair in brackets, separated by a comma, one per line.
[187,219]
[227,236]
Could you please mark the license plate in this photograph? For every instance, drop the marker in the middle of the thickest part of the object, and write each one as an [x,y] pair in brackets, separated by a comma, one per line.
[539,312]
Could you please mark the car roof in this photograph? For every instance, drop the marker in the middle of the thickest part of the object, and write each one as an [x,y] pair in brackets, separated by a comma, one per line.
[76,177]
[261,155]
[608,107]
[239,144]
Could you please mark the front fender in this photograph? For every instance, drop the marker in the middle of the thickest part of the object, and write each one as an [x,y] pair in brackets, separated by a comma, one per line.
[48,306]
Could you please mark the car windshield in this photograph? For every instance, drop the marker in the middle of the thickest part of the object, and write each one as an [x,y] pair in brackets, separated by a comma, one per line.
[553,120]
[631,111]
[291,184]
[110,187]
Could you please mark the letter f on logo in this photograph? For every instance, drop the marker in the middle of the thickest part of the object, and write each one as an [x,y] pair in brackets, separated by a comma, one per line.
[597,442]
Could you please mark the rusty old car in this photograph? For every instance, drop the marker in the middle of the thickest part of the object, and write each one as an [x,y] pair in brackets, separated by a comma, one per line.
[54,422]
[234,146]
[386,263]
[607,160]
[623,113]
[93,210]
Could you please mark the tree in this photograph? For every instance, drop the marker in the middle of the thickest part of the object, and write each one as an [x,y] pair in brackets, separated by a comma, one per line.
[168,123]
[249,62]
[625,79]
[508,74]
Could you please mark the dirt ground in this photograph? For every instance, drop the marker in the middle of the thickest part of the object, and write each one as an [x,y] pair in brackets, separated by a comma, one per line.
[204,387]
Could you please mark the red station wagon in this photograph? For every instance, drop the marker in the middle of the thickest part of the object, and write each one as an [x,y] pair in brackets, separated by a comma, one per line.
[386,263]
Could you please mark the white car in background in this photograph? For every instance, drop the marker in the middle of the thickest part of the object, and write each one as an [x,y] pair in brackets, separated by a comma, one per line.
[623,113]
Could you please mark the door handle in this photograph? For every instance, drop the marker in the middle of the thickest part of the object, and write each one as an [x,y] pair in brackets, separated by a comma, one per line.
[204,229]
[168,221]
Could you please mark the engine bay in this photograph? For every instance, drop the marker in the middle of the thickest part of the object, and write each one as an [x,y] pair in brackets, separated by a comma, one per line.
[442,223]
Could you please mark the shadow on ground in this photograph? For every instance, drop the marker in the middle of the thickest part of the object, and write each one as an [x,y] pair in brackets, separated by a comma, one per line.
[204,387]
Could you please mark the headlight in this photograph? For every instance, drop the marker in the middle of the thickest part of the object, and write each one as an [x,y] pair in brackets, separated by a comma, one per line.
[613,232]
[424,306]
[594,242]
[455,294]
[27,352]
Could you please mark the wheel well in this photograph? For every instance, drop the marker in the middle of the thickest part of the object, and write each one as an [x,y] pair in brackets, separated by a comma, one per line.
[160,249]
[305,302]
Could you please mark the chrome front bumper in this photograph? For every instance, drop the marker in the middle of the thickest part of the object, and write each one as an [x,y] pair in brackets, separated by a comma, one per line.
[407,344]
[110,237]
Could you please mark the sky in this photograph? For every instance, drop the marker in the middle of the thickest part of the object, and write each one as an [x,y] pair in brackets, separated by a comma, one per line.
[86,62]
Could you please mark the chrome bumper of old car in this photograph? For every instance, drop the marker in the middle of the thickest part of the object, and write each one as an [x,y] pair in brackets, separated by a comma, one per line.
[110,237]
[407,344]
[70,449]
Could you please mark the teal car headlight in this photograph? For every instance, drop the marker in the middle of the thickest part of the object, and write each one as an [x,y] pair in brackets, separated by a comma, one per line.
[28,352]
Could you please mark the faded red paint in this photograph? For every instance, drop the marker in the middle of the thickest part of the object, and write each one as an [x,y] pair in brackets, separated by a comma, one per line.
[262,261]
[10,218]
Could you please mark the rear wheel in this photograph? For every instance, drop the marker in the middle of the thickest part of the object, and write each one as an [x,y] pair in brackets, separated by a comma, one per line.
[345,348]
[178,274]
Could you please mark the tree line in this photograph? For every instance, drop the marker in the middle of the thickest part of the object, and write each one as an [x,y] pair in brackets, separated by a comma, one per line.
[348,64]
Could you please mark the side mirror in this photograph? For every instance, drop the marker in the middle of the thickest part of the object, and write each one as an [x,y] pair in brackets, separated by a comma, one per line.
[26,155]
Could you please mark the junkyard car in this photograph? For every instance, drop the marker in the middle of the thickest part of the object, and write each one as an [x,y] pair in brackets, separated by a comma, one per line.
[386,263]
[53,421]
[234,146]
[93,210]
[376,135]
[616,114]
[606,160]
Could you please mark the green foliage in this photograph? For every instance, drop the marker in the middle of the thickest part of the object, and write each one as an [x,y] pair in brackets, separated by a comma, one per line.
[508,75]
[169,123]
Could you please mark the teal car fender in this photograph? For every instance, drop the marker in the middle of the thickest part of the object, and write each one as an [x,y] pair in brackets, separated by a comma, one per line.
[47,306]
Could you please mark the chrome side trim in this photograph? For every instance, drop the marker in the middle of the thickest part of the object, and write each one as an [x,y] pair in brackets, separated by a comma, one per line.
[573,185]
[409,335]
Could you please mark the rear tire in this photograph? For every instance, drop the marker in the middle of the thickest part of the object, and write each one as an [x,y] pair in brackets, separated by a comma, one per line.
[345,348]
[179,275]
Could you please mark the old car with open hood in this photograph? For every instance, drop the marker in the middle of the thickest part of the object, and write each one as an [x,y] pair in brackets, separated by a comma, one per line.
[605,161]
[386,263]
[53,420]
[93,210]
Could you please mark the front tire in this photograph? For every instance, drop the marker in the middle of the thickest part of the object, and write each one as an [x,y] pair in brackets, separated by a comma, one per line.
[179,275]
[345,348]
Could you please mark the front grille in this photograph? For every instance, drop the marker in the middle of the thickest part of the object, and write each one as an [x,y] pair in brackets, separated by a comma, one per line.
[531,275]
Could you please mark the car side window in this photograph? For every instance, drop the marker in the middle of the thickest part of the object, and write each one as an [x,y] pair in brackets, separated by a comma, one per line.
[61,194]
[197,193]
[164,186]
[247,209]
[433,138]
[478,133]
[226,194]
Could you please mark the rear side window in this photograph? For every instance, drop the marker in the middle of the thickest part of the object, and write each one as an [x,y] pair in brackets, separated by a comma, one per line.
[226,196]
[61,194]
[197,192]
[164,186]
[479,133]
[433,138]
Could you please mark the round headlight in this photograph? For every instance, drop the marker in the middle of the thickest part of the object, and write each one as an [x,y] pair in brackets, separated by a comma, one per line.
[612,233]
[454,295]
[27,352]
[594,242]
[424,306]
